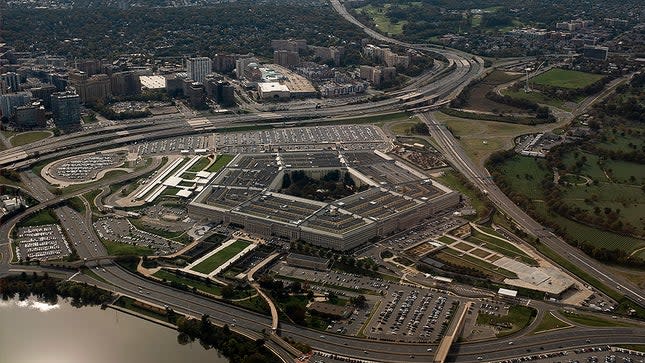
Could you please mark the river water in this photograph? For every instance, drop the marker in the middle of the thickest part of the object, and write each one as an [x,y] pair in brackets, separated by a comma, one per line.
[35,332]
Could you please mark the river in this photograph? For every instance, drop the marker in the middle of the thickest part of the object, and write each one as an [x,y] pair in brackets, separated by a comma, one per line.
[35,332]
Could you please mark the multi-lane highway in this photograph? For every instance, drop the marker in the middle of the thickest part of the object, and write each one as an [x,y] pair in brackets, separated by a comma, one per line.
[482,180]
[453,72]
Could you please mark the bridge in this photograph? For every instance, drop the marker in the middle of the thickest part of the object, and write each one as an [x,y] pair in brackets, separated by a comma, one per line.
[453,332]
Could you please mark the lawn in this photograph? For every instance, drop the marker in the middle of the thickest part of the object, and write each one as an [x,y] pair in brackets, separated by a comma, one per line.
[201,285]
[562,78]
[199,165]
[518,318]
[220,162]
[124,249]
[540,98]
[592,320]
[550,322]
[402,128]
[501,246]
[451,180]
[452,257]
[25,138]
[525,174]
[43,217]
[211,263]
[481,138]
[173,235]
[381,21]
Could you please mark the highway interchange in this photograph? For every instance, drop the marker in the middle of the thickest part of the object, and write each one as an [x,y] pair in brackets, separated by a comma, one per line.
[453,74]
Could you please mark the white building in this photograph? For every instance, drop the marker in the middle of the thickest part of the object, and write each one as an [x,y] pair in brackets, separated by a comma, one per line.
[273,90]
[198,68]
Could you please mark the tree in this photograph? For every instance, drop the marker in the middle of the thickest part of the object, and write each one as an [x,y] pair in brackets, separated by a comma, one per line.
[295,311]
[359,301]
[228,292]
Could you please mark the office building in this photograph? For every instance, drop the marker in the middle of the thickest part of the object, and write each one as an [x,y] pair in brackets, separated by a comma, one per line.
[44,94]
[286,58]
[66,110]
[224,63]
[29,116]
[89,66]
[125,83]
[242,65]
[293,45]
[596,53]
[198,68]
[11,81]
[10,101]
[96,88]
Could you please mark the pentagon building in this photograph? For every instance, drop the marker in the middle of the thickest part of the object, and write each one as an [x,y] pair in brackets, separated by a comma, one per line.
[394,197]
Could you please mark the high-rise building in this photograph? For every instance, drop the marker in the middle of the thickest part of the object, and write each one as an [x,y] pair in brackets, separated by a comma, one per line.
[224,63]
[125,83]
[242,64]
[196,95]
[10,101]
[66,110]
[286,58]
[89,66]
[44,94]
[294,45]
[91,89]
[29,116]
[11,81]
[198,68]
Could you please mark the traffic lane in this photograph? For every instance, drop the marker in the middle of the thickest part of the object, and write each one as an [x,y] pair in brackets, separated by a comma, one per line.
[572,336]
[519,350]
[479,178]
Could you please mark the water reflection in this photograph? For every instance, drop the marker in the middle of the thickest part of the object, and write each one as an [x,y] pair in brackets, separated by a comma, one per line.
[32,331]
[30,304]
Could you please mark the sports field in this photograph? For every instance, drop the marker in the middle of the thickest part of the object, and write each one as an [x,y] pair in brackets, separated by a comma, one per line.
[563,78]
[211,263]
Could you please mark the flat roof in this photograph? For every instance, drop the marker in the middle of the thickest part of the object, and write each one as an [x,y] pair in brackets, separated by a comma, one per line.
[507,292]
[272,87]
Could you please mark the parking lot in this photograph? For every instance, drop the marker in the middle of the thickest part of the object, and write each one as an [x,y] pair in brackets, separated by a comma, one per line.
[412,314]
[85,167]
[173,145]
[120,230]
[353,137]
[45,242]
[599,354]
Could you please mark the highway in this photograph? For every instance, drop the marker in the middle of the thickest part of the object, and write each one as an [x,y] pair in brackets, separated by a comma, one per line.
[482,180]
[452,74]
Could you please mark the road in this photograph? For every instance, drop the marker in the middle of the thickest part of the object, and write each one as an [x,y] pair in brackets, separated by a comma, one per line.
[482,180]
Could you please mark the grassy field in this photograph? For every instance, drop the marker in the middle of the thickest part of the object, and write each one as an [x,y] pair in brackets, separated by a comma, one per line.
[481,138]
[526,174]
[381,21]
[501,246]
[592,320]
[43,217]
[478,101]
[540,98]
[550,322]
[518,318]
[450,179]
[124,249]
[562,78]
[402,128]
[199,164]
[191,282]
[178,236]
[25,138]
[210,264]
[453,257]
[221,162]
